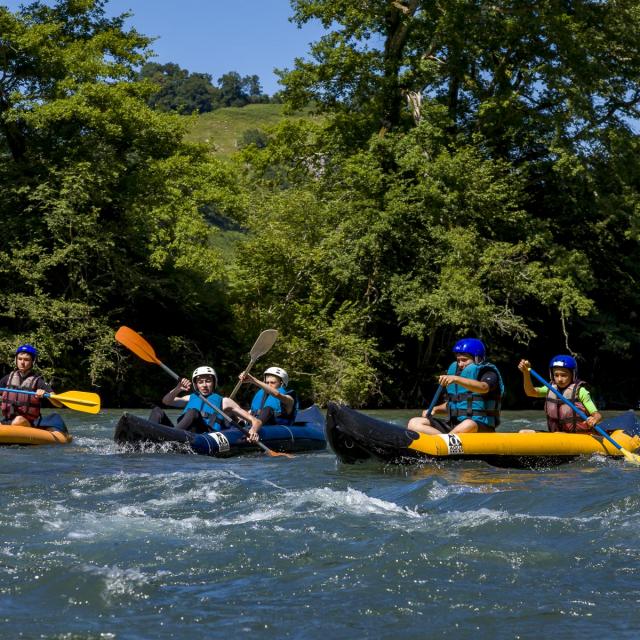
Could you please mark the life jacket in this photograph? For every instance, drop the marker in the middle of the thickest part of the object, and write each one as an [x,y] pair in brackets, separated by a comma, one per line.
[462,403]
[15,403]
[263,399]
[560,416]
[210,417]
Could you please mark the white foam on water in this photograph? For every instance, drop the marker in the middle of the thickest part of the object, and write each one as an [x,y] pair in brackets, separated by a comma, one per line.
[171,483]
[457,521]
[259,515]
[124,582]
[350,501]
[440,491]
[211,495]
[97,446]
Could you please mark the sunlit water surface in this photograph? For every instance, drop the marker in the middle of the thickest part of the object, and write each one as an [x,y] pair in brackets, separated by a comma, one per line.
[99,543]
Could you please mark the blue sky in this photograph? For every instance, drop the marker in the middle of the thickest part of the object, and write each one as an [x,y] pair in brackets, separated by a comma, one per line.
[217,36]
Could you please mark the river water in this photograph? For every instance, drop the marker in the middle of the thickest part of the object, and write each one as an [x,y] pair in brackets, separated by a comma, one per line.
[99,543]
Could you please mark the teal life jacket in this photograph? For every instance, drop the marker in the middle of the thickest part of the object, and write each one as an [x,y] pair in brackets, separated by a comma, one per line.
[210,417]
[462,403]
[263,399]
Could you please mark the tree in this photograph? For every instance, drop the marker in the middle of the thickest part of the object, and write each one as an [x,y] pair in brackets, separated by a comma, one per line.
[526,75]
[179,90]
[477,173]
[237,91]
[101,202]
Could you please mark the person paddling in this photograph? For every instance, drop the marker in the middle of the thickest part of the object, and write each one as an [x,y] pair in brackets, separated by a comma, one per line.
[273,403]
[22,409]
[196,415]
[474,390]
[563,371]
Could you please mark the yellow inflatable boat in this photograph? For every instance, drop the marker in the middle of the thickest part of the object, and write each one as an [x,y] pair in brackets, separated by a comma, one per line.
[52,430]
[355,437]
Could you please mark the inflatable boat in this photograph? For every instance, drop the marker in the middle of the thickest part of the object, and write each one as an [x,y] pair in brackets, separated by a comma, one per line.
[305,434]
[51,430]
[356,437]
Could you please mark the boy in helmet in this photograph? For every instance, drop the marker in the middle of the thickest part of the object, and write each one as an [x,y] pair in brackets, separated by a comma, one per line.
[196,415]
[474,390]
[563,370]
[273,403]
[23,409]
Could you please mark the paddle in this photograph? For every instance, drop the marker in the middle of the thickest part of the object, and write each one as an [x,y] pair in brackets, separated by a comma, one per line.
[262,345]
[434,400]
[631,457]
[76,400]
[136,343]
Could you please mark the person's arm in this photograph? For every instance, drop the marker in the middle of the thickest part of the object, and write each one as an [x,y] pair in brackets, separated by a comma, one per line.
[285,400]
[477,386]
[170,398]
[439,409]
[594,415]
[236,411]
[42,388]
[529,389]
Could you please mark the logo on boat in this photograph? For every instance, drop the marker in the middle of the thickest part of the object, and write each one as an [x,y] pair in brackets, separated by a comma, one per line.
[454,444]
[223,443]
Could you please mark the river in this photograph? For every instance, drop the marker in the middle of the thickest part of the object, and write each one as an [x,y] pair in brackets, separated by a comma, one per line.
[100,543]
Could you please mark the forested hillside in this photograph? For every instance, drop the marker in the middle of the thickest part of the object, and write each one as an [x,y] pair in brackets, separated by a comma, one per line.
[471,169]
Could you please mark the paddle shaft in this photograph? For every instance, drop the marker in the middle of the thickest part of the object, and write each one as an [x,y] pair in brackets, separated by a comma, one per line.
[579,411]
[53,396]
[262,345]
[434,400]
[244,373]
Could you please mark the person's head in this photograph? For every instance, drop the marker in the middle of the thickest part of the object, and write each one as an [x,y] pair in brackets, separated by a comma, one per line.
[204,380]
[26,356]
[276,377]
[563,370]
[468,351]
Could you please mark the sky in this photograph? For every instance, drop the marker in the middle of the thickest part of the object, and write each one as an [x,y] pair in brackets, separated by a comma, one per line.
[251,37]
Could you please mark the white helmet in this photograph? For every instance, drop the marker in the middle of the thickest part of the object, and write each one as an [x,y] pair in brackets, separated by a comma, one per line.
[280,373]
[204,371]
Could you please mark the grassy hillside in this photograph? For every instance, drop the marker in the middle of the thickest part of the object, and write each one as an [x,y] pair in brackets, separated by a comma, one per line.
[223,128]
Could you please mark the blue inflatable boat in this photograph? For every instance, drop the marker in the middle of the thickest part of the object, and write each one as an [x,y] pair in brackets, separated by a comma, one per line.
[306,434]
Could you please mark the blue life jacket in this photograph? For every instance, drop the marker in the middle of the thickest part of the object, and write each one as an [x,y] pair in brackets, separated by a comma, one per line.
[208,414]
[462,403]
[263,399]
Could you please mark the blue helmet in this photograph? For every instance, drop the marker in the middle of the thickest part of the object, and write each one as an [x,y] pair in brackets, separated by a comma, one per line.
[27,348]
[472,346]
[564,361]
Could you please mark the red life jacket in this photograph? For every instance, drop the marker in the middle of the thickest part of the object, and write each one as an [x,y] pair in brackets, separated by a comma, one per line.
[15,403]
[560,416]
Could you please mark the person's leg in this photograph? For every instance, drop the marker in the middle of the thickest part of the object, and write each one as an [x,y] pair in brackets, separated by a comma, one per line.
[158,416]
[430,426]
[52,422]
[192,421]
[467,426]
[20,421]
[267,415]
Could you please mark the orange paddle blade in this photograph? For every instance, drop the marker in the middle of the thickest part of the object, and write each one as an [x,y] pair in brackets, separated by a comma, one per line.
[275,454]
[136,343]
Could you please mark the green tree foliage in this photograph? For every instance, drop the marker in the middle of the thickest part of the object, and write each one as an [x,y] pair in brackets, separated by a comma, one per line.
[237,91]
[101,200]
[477,175]
[178,90]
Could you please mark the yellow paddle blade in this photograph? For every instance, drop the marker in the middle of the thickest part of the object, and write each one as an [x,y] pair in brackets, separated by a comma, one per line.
[78,400]
[136,343]
[631,457]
